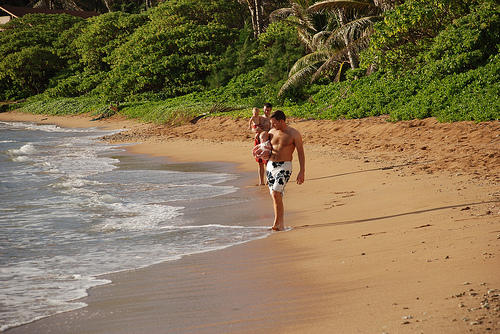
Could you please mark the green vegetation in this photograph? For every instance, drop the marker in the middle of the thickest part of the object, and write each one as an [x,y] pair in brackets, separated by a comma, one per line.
[325,60]
[65,106]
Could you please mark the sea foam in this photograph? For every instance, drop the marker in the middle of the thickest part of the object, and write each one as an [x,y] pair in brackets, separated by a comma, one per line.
[76,211]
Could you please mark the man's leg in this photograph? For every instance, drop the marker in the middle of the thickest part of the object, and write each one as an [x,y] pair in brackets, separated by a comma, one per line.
[279,211]
[262,174]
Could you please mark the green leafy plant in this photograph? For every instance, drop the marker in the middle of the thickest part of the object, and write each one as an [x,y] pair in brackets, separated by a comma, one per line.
[29,59]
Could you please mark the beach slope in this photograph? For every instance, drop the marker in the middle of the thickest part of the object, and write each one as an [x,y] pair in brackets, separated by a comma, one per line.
[396,230]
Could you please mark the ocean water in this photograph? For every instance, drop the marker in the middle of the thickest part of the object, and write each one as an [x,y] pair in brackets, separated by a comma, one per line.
[73,208]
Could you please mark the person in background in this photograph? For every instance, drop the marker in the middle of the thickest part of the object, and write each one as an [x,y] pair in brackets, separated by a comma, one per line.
[263,126]
[254,121]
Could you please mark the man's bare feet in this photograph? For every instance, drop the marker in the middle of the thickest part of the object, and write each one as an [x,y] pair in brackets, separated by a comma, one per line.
[274,228]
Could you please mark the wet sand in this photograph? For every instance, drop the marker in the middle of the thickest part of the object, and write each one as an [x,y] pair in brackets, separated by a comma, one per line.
[396,230]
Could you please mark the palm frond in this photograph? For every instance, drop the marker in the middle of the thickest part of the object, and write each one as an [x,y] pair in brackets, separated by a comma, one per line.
[311,59]
[301,14]
[334,61]
[280,14]
[346,5]
[356,46]
[298,78]
[359,44]
[339,71]
[294,13]
[339,57]
[299,25]
[320,39]
[360,26]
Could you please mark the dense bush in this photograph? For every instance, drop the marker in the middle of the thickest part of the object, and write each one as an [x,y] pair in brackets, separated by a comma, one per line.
[171,54]
[103,34]
[29,60]
[409,30]
[428,58]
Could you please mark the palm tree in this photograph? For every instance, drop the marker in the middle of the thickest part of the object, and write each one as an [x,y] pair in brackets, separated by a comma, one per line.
[313,30]
[332,46]
[356,20]
[256,8]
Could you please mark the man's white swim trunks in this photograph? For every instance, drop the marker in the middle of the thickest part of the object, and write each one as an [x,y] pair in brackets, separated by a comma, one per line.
[278,174]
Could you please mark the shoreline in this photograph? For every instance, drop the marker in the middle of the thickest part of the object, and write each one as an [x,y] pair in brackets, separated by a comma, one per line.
[386,235]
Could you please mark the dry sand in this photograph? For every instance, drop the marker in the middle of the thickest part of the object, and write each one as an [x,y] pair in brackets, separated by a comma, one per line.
[396,230]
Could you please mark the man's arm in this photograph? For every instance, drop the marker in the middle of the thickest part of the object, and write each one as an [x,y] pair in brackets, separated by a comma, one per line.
[299,145]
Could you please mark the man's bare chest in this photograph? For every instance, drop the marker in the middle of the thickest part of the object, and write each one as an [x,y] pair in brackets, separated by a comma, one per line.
[281,139]
[265,123]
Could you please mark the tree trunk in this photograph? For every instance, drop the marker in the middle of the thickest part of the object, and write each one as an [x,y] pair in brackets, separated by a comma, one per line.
[353,57]
[108,6]
[259,6]
[256,8]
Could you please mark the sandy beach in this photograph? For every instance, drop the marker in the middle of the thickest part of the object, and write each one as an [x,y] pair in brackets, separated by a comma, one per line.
[395,230]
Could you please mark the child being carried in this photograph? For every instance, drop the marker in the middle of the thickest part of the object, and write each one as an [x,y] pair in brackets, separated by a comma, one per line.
[263,147]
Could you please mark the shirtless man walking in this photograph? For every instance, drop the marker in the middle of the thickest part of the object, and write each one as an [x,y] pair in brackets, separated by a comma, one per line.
[284,140]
